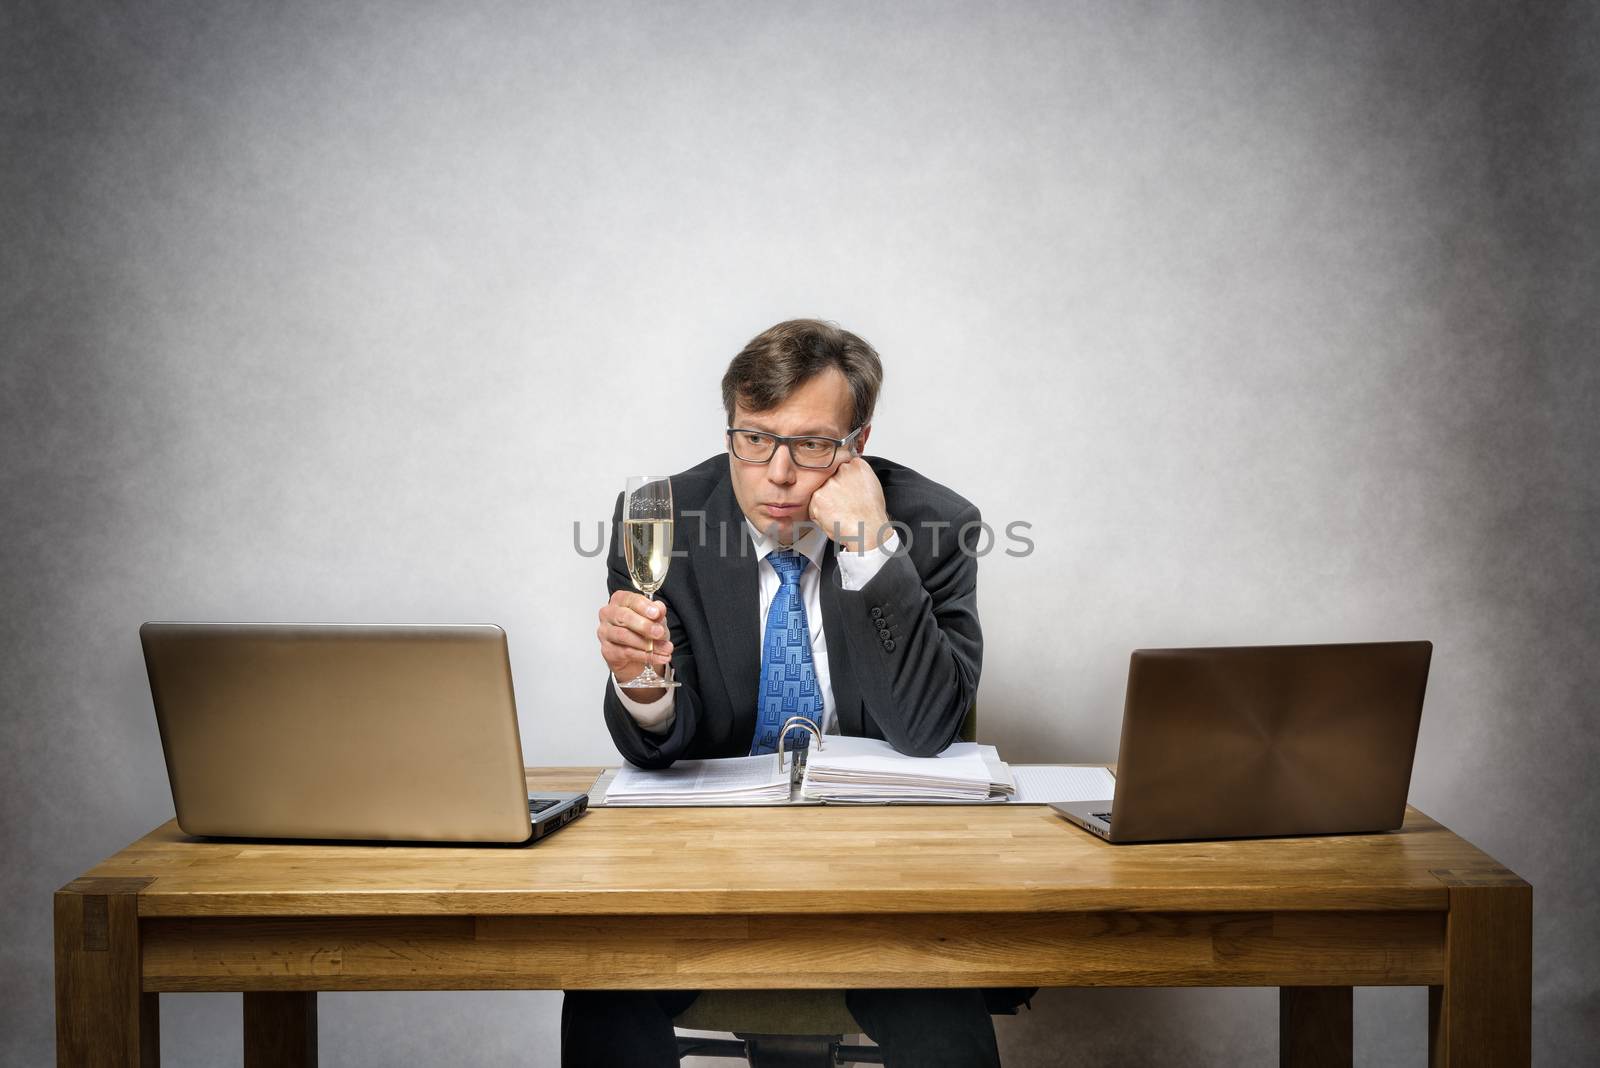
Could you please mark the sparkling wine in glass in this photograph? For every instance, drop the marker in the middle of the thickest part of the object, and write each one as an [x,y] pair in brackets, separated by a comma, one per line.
[647,544]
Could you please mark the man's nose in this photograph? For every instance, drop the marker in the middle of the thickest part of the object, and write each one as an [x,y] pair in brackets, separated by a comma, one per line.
[780,468]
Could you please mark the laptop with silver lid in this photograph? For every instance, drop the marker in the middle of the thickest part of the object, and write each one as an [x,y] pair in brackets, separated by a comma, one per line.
[376,732]
[1259,741]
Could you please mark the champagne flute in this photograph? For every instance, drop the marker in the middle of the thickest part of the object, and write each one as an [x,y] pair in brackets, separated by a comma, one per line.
[647,544]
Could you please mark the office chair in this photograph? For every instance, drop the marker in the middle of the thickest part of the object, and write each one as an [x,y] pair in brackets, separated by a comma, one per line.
[775,1028]
[785,1028]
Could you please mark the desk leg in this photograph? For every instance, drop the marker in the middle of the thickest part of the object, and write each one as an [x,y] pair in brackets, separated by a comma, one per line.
[1483,1015]
[1314,1027]
[280,1030]
[102,1016]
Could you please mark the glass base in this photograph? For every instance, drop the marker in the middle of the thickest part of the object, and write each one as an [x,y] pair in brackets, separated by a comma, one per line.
[648,680]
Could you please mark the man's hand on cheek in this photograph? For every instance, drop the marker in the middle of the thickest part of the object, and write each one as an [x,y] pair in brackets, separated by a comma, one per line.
[849,507]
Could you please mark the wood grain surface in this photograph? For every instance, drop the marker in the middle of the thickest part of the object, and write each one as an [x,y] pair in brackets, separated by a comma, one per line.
[97,961]
[816,952]
[914,859]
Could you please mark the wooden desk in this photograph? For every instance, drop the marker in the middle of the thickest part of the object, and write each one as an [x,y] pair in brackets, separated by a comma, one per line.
[697,898]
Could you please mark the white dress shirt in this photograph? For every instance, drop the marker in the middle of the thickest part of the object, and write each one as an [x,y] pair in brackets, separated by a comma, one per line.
[855,571]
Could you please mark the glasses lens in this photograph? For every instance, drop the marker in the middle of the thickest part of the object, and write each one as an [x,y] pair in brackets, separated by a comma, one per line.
[755,448]
[813,452]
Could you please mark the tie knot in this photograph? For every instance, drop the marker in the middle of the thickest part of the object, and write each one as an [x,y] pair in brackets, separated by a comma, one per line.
[788,564]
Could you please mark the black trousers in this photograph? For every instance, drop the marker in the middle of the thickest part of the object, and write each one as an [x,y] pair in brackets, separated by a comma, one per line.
[914,1028]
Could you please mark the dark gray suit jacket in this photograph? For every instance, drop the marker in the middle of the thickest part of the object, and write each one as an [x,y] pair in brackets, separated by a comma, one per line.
[904,652]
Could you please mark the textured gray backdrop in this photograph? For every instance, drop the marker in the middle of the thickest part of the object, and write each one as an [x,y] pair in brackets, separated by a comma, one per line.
[1277,321]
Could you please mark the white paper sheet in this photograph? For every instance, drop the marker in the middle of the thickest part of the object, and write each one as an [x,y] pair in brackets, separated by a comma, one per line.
[752,780]
[1039,784]
[868,769]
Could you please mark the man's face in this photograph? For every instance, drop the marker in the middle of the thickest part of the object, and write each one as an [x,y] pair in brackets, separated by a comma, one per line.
[776,495]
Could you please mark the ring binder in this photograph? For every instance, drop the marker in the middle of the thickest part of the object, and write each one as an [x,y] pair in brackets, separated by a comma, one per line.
[802,723]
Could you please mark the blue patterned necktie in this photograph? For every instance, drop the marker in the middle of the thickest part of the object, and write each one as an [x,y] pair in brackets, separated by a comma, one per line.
[788,677]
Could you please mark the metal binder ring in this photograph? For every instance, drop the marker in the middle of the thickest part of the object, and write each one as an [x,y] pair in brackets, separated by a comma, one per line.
[802,723]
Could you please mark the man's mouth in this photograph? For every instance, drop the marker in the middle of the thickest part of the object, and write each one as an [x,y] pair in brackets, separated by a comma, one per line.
[781,509]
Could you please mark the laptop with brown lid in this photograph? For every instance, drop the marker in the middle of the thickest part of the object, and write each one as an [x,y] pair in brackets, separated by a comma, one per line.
[1258,741]
[379,732]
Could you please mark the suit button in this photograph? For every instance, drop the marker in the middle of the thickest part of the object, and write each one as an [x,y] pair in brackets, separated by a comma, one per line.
[888,645]
[877,613]
[881,624]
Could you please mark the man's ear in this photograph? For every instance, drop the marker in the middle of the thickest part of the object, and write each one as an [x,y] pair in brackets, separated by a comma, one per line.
[861,439]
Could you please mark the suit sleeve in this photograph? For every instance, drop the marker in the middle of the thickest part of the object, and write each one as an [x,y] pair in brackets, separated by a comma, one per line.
[914,634]
[637,745]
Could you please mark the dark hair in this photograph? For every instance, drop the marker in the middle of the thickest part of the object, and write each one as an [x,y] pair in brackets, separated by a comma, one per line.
[782,358]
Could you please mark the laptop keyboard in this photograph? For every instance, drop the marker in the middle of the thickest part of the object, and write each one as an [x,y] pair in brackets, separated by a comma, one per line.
[539,804]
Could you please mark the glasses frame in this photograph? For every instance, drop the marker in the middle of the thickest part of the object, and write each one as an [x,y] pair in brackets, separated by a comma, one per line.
[779,439]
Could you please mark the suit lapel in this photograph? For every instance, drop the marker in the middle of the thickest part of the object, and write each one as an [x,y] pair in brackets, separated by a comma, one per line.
[841,673]
[725,569]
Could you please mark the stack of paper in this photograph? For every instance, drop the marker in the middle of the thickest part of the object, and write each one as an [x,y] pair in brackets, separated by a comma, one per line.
[755,780]
[858,771]
[867,771]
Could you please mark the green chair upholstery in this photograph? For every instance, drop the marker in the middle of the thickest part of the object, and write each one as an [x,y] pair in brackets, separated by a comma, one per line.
[775,1028]
[770,1012]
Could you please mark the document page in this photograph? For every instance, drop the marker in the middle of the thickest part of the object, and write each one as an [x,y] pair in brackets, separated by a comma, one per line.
[868,769]
[754,780]
[1040,784]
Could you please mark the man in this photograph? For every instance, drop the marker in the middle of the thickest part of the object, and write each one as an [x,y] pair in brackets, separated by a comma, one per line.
[810,581]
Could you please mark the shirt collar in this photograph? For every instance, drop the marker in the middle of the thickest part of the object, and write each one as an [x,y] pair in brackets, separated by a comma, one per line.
[811,545]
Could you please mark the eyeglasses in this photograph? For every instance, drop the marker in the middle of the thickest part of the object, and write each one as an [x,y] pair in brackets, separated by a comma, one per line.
[757,447]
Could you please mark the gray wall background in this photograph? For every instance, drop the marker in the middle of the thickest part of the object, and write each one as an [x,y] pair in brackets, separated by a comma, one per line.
[1277,322]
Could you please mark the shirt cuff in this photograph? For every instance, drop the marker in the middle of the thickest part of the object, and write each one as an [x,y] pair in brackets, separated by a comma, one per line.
[655,716]
[857,569]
